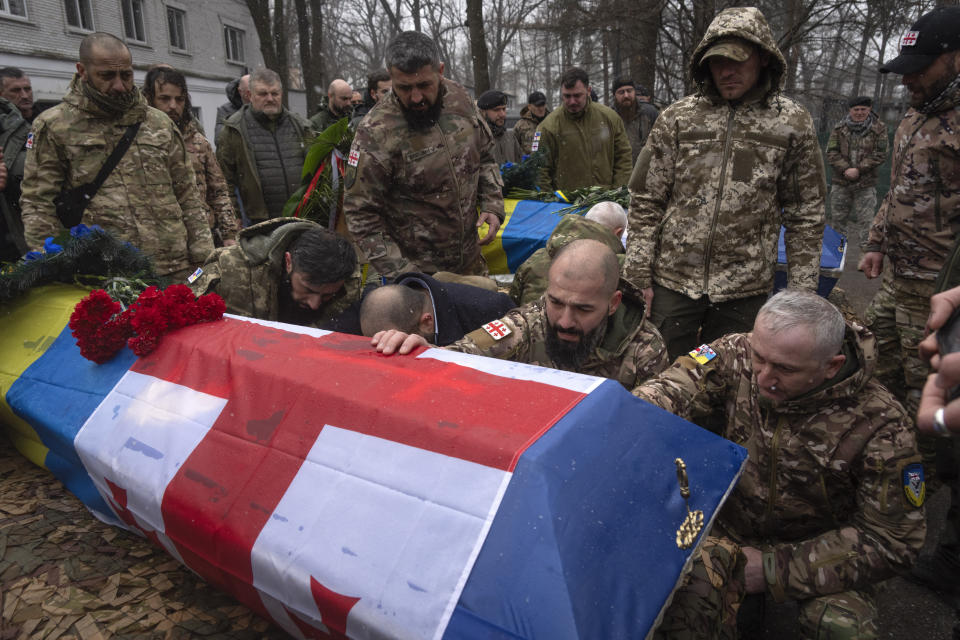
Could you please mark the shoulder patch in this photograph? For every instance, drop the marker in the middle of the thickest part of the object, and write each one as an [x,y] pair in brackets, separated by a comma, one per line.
[497,330]
[914,484]
[29,142]
[196,274]
[703,354]
[536,142]
[354,158]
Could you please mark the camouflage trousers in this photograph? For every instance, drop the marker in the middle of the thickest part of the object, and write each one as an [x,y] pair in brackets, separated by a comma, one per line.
[897,316]
[852,210]
[707,603]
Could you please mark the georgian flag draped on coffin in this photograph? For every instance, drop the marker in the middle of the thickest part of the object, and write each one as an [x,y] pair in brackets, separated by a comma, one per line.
[343,493]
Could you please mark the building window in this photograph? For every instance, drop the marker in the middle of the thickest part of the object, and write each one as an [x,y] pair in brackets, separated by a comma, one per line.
[79,14]
[133,20]
[176,19]
[13,8]
[233,39]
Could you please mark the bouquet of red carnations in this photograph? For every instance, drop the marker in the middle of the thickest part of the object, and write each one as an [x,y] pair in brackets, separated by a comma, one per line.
[102,326]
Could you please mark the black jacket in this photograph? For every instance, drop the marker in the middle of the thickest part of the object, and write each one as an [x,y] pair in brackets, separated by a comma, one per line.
[459,308]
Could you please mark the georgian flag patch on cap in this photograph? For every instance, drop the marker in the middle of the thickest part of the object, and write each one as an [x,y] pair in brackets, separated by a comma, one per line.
[703,354]
[909,39]
[354,158]
[497,330]
[536,142]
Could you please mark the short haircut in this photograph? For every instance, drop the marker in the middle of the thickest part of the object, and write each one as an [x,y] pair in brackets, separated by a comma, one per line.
[392,306]
[573,75]
[589,258]
[264,76]
[14,73]
[158,75]
[374,78]
[100,40]
[322,256]
[608,213]
[411,51]
[793,308]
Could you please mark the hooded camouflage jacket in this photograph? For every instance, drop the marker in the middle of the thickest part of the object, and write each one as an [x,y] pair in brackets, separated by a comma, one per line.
[823,487]
[588,149]
[531,278]
[919,220]
[525,128]
[846,149]
[150,199]
[413,195]
[250,276]
[214,193]
[631,351]
[709,186]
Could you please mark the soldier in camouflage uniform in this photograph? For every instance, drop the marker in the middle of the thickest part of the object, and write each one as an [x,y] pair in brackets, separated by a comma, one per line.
[721,171]
[584,142]
[150,199]
[530,279]
[857,146]
[918,221]
[166,89]
[530,118]
[284,269]
[584,323]
[14,132]
[493,106]
[420,166]
[831,497]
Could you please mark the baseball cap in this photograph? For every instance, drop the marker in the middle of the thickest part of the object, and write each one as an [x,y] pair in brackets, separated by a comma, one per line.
[537,99]
[933,34]
[734,48]
[492,98]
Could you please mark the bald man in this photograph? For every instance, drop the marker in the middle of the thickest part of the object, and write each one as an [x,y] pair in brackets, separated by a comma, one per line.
[605,221]
[339,105]
[441,312]
[149,199]
[588,321]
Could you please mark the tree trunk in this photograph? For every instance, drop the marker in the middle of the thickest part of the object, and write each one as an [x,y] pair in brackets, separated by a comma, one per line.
[478,47]
[310,32]
[273,45]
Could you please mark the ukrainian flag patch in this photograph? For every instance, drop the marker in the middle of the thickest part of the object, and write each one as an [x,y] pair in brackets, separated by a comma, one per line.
[703,354]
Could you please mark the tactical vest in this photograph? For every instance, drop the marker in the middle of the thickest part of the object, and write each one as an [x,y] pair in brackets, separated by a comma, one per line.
[278,156]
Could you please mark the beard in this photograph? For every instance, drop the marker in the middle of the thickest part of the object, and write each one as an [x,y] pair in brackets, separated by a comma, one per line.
[932,92]
[420,120]
[572,355]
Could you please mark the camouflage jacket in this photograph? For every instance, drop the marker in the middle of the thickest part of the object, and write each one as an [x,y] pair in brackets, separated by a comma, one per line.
[239,162]
[250,276]
[531,278]
[14,131]
[583,150]
[638,124]
[919,219]
[865,152]
[525,128]
[631,351]
[716,180]
[823,487]
[412,196]
[213,189]
[150,199]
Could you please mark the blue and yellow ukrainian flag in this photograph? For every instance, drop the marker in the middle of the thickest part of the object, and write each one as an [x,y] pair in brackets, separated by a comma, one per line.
[52,386]
[527,227]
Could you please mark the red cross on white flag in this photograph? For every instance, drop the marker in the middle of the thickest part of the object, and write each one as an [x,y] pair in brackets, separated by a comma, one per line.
[909,38]
[354,158]
[497,329]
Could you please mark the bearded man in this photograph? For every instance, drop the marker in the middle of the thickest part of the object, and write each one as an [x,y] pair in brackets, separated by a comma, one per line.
[420,169]
[166,89]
